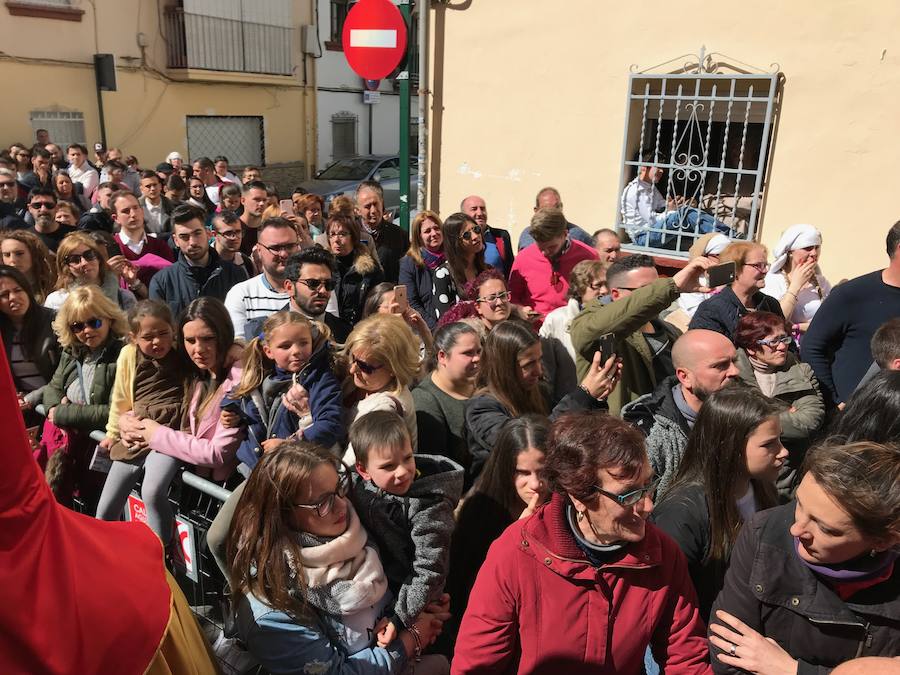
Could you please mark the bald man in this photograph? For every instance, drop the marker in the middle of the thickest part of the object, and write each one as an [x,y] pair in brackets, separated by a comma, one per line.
[498,250]
[705,361]
[869,665]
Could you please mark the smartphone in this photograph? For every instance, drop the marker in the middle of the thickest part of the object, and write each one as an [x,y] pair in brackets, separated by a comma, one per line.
[401,298]
[605,344]
[720,275]
[287,206]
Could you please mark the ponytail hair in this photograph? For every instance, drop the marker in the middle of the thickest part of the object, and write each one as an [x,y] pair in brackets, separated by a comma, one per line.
[257,366]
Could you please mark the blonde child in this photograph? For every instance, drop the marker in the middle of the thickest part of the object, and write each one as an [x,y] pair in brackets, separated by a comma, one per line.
[150,382]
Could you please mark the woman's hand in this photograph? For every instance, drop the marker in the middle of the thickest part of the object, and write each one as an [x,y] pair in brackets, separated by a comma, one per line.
[746,649]
[302,227]
[601,379]
[801,275]
[229,419]
[532,506]
[149,428]
[51,414]
[270,444]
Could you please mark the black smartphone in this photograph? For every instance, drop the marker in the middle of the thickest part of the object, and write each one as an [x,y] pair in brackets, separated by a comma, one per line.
[720,275]
[605,344]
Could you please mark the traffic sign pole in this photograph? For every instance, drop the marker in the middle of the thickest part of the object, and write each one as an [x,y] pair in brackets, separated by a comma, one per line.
[404,126]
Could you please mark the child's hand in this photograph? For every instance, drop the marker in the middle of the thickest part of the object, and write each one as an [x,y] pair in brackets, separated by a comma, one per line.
[387,634]
[107,442]
[296,399]
[271,443]
[229,419]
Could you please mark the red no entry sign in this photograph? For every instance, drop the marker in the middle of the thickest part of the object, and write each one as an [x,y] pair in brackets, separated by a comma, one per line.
[374,38]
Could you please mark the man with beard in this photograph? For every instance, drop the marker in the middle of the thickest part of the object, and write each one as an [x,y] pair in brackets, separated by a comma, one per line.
[705,361]
[199,270]
[42,207]
[41,170]
[309,281]
[264,294]
[391,242]
[9,190]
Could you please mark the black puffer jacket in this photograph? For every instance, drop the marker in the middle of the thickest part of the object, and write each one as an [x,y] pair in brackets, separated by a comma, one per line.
[722,311]
[771,590]
[357,274]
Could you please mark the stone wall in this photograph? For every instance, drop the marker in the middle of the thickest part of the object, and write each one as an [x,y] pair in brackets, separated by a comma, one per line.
[286,176]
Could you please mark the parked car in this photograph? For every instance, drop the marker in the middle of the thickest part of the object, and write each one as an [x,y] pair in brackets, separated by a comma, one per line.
[344,175]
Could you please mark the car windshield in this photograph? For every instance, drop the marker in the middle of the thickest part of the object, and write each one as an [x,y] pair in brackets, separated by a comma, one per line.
[356,168]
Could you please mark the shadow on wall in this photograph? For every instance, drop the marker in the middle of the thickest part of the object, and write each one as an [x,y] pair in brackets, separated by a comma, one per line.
[437,98]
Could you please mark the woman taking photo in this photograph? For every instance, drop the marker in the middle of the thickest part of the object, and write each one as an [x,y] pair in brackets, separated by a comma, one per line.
[795,279]
[585,585]
[206,335]
[26,252]
[31,345]
[722,311]
[90,329]
[510,386]
[424,272]
[767,364]
[815,583]
[509,488]
[381,300]
[80,261]
[440,398]
[307,587]
[357,269]
[727,474]
[463,248]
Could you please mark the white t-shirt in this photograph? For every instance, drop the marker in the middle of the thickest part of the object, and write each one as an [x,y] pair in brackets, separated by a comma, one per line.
[808,300]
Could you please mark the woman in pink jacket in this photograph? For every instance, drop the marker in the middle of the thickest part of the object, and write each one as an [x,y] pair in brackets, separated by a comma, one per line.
[206,334]
[585,585]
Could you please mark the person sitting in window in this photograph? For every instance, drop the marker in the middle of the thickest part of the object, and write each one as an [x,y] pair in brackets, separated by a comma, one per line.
[643,207]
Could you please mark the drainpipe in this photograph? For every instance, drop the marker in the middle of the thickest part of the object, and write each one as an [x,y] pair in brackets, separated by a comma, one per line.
[424,7]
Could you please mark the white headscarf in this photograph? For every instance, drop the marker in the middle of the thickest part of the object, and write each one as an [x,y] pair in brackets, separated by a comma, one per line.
[717,244]
[796,236]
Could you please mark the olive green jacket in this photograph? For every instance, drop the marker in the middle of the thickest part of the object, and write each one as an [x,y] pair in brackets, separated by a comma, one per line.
[624,318]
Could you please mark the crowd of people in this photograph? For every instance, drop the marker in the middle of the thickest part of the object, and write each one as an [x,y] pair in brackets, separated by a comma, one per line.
[453,455]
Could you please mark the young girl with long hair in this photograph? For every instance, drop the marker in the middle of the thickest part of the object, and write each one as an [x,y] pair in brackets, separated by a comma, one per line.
[291,349]
[26,252]
[150,382]
[728,473]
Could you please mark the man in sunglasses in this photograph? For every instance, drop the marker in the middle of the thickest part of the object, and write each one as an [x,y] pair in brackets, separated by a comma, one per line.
[42,207]
[309,281]
[9,190]
[264,294]
[198,271]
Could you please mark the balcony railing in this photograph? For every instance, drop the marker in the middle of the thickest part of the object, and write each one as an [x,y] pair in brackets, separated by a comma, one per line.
[214,43]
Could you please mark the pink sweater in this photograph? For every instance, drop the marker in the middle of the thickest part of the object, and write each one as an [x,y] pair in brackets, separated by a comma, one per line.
[209,444]
[531,280]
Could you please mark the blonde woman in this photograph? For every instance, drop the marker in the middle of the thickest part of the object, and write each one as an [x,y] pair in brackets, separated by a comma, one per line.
[81,261]
[90,328]
[26,252]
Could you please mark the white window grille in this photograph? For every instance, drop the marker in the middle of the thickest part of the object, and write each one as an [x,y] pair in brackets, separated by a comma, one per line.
[240,138]
[343,135]
[47,3]
[64,127]
[705,128]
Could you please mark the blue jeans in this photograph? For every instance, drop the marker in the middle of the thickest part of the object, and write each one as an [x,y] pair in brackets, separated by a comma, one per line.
[686,220]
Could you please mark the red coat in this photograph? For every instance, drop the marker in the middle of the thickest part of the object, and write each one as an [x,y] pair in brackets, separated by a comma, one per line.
[534,282]
[538,606]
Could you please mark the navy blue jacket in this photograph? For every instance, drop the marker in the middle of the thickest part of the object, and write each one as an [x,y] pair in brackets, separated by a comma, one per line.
[266,417]
[722,311]
[419,287]
[180,284]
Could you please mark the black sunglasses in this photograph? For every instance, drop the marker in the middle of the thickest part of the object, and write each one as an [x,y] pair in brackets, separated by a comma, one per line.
[75,258]
[78,326]
[37,206]
[315,284]
[468,234]
[367,368]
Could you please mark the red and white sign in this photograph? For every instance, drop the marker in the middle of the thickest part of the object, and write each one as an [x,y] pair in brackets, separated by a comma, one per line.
[136,511]
[374,38]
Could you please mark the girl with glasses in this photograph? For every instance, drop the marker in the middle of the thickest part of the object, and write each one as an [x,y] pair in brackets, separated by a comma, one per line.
[81,261]
[727,474]
[767,364]
[91,329]
[590,548]
[306,585]
[26,252]
[722,311]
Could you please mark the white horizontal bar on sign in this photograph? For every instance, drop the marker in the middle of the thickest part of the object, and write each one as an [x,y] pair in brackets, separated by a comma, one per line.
[373,38]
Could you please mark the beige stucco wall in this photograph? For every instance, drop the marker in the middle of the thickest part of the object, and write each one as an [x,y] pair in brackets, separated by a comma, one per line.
[534,95]
[51,68]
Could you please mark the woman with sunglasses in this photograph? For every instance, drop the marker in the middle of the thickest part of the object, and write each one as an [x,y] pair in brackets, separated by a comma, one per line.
[357,268]
[81,261]
[585,585]
[463,249]
[90,329]
[722,311]
[26,252]
[767,364]
[31,345]
[732,458]
[308,588]
[424,272]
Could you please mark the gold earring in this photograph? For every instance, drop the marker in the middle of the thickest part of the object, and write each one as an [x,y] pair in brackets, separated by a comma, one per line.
[580,516]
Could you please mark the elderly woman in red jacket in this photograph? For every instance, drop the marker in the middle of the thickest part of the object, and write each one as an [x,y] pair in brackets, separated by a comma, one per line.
[586,584]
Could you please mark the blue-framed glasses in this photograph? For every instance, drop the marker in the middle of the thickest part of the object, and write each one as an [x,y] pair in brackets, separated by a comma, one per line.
[634,496]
